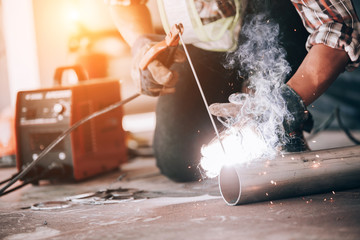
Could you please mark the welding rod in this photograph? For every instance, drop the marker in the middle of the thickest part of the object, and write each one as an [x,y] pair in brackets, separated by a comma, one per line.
[201,90]
[291,175]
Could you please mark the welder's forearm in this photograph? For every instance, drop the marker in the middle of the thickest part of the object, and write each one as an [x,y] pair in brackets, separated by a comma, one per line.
[320,68]
[132,21]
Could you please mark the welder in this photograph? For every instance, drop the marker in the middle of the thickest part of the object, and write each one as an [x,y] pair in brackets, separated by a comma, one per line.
[321,39]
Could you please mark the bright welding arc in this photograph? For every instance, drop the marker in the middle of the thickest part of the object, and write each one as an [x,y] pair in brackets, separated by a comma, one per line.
[200,88]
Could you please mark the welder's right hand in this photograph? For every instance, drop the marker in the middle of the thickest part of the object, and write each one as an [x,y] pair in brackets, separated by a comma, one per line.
[157,78]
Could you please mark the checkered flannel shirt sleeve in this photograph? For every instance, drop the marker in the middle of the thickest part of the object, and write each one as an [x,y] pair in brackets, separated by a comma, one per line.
[333,23]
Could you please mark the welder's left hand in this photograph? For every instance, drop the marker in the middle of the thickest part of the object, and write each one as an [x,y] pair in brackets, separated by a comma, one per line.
[157,79]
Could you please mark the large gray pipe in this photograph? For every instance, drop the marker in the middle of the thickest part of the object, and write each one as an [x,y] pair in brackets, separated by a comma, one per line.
[290,175]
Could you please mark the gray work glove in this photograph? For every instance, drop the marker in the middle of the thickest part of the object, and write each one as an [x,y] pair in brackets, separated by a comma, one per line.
[300,121]
[157,79]
[297,121]
[301,117]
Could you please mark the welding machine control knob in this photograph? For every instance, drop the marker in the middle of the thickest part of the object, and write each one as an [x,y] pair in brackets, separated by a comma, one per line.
[59,108]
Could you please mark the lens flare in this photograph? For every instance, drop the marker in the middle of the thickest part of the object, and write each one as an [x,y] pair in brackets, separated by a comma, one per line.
[73,15]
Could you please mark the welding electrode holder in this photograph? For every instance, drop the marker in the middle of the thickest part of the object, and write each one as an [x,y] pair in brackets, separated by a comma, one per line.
[154,78]
[171,40]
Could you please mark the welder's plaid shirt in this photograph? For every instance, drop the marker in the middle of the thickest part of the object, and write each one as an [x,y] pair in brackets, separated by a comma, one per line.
[330,22]
[333,23]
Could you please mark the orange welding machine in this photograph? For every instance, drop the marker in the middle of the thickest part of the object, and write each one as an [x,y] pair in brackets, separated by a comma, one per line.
[93,148]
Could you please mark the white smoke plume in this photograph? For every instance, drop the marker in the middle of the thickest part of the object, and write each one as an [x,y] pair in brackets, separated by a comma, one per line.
[262,64]
[262,61]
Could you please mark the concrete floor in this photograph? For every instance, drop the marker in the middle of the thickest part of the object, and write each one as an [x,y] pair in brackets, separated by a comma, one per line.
[149,206]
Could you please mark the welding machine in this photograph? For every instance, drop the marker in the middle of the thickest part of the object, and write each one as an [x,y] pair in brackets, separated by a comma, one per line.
[95,147]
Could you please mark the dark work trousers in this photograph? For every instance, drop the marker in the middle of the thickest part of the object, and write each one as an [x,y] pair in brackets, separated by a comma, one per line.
[182,122]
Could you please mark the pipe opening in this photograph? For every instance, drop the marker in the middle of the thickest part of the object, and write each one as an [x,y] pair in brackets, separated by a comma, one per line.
[230,186]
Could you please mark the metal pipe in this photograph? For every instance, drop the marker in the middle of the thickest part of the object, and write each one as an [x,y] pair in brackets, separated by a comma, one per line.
[290,175]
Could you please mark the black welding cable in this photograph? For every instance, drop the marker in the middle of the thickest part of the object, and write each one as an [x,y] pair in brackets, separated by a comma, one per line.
[15,188]
[323,126]
[344,128]
[32,180]
[326,124]
[63,135]
[9,179]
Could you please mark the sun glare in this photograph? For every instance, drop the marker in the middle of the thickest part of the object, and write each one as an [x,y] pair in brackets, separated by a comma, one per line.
[73,15]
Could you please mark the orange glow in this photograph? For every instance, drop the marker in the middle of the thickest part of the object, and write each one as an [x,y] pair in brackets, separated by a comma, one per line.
[71,18]
[315,164]
[73,15]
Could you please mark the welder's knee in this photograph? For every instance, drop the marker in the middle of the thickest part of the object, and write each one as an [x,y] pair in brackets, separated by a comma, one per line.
[177,173]
[175,158]
[181,129]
